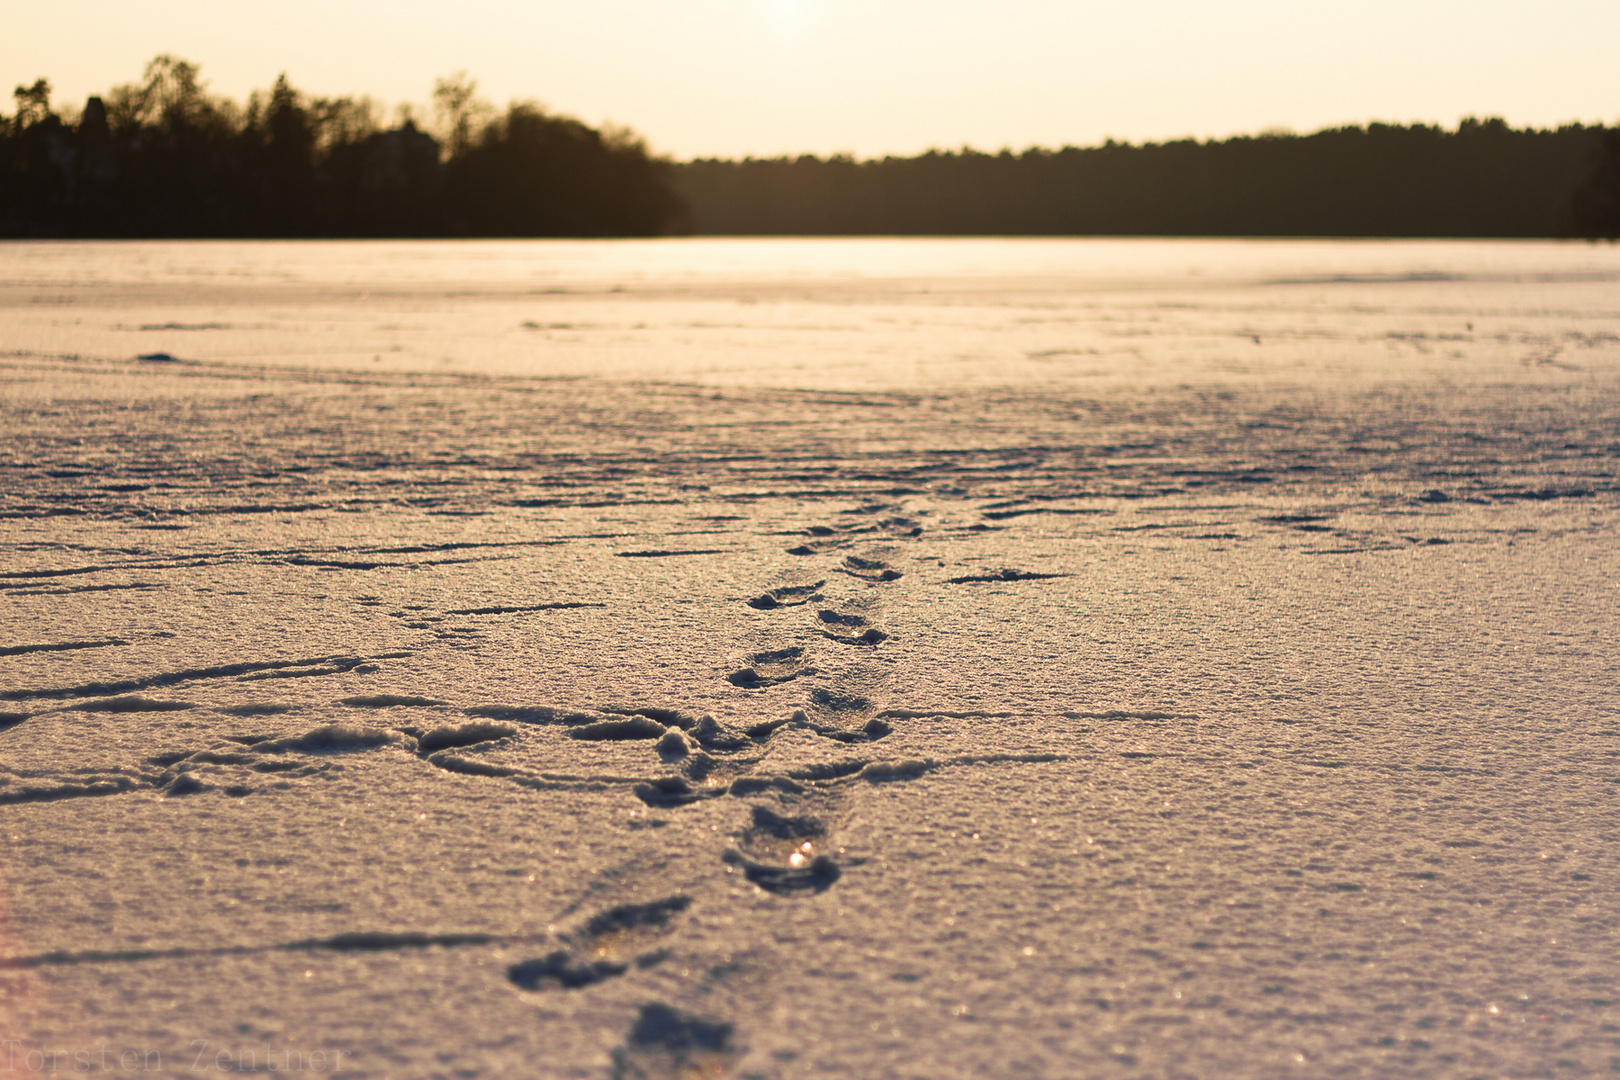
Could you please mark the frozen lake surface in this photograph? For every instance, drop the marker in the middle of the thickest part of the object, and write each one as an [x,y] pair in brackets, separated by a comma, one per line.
[916,658]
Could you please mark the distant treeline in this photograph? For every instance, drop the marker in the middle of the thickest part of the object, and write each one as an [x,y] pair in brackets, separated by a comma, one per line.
[162,158]
[1484,179]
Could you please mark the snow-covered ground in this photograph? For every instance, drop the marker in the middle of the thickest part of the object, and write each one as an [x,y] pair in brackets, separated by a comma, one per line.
[795,658]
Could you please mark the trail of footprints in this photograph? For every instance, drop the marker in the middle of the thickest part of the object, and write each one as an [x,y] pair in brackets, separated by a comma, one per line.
[786,846]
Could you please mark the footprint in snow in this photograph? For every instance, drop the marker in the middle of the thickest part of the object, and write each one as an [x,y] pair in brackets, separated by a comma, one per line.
[667,1044]
[785,855]
[771,668]
[786,596]
[869,569]
[849,629]
[605,947]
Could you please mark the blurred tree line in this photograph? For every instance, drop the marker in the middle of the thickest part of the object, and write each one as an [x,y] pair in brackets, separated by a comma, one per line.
[163,158]
[1485,179]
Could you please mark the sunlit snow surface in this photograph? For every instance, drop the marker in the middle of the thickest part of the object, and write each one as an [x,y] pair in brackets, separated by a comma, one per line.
[860,658]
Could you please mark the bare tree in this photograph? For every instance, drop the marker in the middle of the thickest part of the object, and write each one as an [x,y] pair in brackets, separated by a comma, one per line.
[33,104]
[459,109]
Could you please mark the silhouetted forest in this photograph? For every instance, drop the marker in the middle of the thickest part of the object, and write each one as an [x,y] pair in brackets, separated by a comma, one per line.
[162,158]
[1595,208]
[1484,179]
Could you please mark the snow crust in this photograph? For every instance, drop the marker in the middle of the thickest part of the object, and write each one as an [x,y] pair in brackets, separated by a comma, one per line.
[835,658]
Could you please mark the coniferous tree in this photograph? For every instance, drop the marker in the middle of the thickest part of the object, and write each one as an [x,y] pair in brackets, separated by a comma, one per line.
[161,157]
[1595,207]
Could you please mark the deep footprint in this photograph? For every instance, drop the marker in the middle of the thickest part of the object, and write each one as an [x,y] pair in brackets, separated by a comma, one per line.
[845,717]
[786,596]
[771,668]
[563,971]
[793,841]
[629,927]
[668,792]
[665,1044]
[815,877]
[849,629]
[785,855]
[869,569]
[631,728]
[828,537]
[607,946]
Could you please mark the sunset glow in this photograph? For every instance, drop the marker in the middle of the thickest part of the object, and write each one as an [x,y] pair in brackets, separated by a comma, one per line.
[765,77]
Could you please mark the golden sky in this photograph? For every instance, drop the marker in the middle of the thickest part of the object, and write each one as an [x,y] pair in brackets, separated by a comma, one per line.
[766,77]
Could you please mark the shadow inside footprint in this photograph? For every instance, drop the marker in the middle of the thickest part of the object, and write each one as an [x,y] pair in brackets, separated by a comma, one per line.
[1007,574]
[818,875]
[628,729]
[849,629]
[785,855]
[456,736]
[667,792]
[771,668]
[562,970]
[845,717]
[848,708]
[665,1044]
[713,735]
[790,839]
[614,924]
[604,948]
[869,569]
[785,596]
